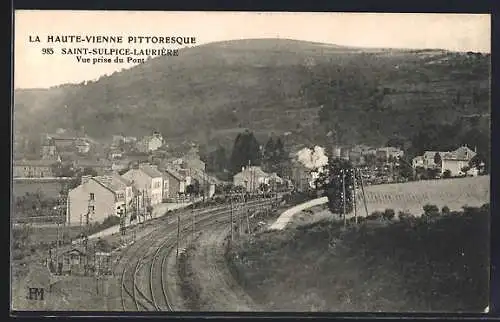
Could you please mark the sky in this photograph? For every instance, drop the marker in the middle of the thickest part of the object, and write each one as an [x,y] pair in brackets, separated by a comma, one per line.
[34,69]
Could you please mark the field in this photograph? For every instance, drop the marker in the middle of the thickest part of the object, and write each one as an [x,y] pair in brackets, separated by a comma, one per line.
[417,265]
[412,196]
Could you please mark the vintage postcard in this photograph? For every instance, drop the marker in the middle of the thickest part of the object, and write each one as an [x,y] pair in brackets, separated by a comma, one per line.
[250,161]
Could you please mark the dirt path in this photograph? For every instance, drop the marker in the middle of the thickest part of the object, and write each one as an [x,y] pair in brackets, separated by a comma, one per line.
[218,291]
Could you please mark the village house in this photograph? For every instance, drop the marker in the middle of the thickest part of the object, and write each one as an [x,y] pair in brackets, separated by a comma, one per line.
[63,142]
[418,162]
[100,166]
[82,146]
[120,165]
[148,180]
[150,143]
[251,178]
[101,197]
[389,152]
[174,183]
[207,182]
[453,161]
[129,139]
[456,160]
[33,168]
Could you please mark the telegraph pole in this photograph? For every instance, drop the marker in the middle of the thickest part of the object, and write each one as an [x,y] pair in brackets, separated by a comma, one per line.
[178,234]
[248,222]
[354,196]
[343,196]
[363,191]
[231,214]
[194,216]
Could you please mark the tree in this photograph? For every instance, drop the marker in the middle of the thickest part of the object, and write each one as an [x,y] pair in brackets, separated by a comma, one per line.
[246,150]
[338,177]
[274,156]
[447,174]
[193,188]
[389,214]
[437,159]
[405,169]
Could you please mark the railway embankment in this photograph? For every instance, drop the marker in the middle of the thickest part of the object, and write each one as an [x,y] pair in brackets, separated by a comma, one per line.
[432,263]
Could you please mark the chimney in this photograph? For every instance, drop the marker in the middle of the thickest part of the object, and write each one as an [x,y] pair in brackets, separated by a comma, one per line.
[85,179]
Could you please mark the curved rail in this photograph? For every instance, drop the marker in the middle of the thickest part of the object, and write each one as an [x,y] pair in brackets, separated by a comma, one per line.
[141,300]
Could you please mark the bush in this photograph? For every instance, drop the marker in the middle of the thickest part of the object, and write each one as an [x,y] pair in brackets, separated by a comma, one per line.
[430,210]
[402,215]
[375,215]
[445,210]
[389,214]
[485,208]
[447,174]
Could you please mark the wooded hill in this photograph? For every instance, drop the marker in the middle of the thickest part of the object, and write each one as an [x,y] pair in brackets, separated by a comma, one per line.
[209,93]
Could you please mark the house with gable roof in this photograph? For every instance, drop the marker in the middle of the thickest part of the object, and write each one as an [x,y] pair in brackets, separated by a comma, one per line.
[174,183]
[99,197]
[454,161]
[148,181]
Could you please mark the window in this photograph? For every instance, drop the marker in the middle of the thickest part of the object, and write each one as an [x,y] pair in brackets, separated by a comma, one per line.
[92,196]
[91,208]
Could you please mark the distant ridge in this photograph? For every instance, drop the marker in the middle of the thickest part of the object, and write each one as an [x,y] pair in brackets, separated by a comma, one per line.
[211,89]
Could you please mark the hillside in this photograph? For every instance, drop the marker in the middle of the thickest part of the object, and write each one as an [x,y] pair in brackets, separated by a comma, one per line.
[271,85]
[438,264]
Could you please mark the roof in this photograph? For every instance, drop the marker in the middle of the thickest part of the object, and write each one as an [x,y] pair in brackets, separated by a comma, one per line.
[150,171]
[112,182]
[431,154]
[254,170]
[390,149]
[203,177]
[150,137]
[463,153]
[35,163]
[174,173]
[74,250]
[82,142]
[92,163]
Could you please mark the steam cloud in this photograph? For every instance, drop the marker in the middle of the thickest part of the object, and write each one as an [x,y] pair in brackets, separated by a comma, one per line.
[313,158]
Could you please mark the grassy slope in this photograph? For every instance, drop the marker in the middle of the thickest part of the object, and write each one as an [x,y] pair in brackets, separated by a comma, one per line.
[216,86]
[402,266]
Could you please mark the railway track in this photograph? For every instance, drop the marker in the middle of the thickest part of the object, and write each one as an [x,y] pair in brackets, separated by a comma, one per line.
[147,258]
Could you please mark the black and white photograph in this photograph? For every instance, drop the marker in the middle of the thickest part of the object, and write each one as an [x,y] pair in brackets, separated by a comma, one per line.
[250,162]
